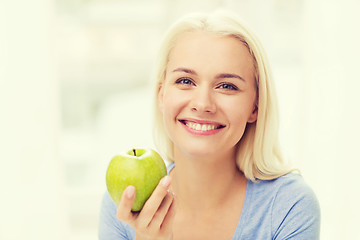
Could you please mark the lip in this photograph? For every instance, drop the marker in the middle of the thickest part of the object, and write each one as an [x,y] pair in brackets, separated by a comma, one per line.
[218,126]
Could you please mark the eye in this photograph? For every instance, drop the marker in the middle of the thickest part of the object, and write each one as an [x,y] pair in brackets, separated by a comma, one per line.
[227,86]
[184,81]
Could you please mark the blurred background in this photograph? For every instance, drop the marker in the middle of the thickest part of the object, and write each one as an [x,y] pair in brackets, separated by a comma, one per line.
[75,90]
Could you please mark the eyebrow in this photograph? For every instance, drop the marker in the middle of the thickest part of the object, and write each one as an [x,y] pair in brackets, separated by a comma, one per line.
[218,76]
[185,70]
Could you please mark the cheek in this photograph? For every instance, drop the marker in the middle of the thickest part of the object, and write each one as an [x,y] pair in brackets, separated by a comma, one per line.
[238,123]
[238,118]
[172,103]
[172,106]
[238,111]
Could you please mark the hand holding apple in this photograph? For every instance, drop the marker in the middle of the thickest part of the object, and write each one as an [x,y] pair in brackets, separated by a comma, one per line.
[141,168]
[155,220]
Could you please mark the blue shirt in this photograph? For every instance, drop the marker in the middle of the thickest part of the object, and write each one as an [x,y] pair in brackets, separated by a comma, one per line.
[283,208]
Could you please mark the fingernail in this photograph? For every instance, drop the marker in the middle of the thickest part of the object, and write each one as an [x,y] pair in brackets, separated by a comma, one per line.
[172,193]
[130,192]
[165,182]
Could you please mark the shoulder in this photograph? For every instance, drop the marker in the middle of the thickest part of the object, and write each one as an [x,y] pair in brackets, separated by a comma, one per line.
[292,185]
[294,207]
[291,189]
[292,180]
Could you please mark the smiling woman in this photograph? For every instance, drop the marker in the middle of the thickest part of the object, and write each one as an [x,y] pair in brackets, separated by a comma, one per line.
[216,120]
[207,93]
[258,161]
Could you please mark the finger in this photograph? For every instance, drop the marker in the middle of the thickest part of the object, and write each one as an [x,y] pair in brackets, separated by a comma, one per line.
[153,203]
[160,214]
[124,209]
[166,226]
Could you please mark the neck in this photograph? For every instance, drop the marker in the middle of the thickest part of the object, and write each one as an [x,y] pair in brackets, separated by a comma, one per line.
[202,184]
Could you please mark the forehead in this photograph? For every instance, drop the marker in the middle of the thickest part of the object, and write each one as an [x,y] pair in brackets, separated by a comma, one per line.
[211,52]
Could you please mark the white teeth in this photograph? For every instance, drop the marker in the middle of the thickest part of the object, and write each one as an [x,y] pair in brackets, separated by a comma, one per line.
[200,127]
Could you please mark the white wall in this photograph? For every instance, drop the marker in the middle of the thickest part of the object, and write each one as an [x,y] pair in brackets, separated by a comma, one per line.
[32,203]
[330,130]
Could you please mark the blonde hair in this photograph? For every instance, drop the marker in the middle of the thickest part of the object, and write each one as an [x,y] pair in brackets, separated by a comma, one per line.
[258,154]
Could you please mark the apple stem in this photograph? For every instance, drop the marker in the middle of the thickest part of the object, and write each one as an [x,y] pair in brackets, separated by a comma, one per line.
[134,152]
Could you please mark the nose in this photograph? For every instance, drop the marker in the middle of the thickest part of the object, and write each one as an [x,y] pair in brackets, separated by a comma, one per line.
[203,101]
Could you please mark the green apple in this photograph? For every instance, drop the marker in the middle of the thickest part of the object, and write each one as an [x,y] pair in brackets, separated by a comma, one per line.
[141,168]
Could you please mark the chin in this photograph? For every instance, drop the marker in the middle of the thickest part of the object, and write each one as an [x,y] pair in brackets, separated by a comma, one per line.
[201,150]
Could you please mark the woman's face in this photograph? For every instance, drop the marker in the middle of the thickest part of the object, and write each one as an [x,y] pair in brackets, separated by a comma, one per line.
[209,93]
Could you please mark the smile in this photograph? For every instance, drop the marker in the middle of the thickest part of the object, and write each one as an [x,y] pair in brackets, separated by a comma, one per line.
[201,127]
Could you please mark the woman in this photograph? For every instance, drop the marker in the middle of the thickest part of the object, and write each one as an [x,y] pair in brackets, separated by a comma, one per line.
[216,121]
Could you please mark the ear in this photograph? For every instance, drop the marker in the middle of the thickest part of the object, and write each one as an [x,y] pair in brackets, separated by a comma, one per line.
[160,97]
[253,116]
